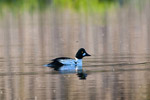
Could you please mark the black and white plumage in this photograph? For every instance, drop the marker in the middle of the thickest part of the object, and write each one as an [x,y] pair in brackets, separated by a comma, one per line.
[57,63]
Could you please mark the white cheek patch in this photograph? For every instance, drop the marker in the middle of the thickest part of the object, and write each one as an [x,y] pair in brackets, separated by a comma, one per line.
[83,54]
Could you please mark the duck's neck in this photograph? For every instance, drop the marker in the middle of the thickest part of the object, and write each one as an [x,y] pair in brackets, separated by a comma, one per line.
[78,61]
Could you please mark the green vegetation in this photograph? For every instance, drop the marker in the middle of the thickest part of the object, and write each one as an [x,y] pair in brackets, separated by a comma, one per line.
[21,5]
[76,5]
[85,5]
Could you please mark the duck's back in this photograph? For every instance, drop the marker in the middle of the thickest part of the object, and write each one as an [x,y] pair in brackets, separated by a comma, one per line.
[61,58]
[64,61]
[58,61]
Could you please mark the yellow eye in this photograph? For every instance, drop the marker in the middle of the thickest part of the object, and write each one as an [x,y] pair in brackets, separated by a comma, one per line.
[82,51]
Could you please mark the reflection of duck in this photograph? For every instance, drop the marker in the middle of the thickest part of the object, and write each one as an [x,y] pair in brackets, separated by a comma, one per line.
[82,75]
[74,69]
[58,63]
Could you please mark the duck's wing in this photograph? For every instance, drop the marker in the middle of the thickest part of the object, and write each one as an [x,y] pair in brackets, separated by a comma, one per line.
[56,63]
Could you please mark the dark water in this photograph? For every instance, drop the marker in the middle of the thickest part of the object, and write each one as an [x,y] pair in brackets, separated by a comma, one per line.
[117,39]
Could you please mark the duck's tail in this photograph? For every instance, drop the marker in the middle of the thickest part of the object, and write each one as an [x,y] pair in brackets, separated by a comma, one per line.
[47,65]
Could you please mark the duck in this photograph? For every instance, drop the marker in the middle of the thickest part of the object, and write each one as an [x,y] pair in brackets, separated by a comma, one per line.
[59,62]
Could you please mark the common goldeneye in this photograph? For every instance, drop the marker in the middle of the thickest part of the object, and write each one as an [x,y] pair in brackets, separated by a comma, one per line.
[67,62]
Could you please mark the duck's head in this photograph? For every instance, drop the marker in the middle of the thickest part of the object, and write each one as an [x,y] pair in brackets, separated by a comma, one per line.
[81,53]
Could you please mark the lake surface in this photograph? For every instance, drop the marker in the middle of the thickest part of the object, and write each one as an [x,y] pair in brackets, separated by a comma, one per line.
[118,40]
[111,78]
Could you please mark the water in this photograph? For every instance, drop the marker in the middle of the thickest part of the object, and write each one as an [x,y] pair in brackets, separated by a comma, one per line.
[118,40]
[107,79]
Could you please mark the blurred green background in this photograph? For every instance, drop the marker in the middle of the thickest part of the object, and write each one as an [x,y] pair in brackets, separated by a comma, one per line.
[95,5]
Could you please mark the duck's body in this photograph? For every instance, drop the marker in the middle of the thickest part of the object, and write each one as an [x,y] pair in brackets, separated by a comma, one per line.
[66,61]
[61,61]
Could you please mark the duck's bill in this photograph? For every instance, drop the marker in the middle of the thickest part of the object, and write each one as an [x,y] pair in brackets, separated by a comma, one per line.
[87,54]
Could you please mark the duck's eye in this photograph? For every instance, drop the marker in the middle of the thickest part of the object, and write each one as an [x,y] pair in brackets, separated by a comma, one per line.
[82,52]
